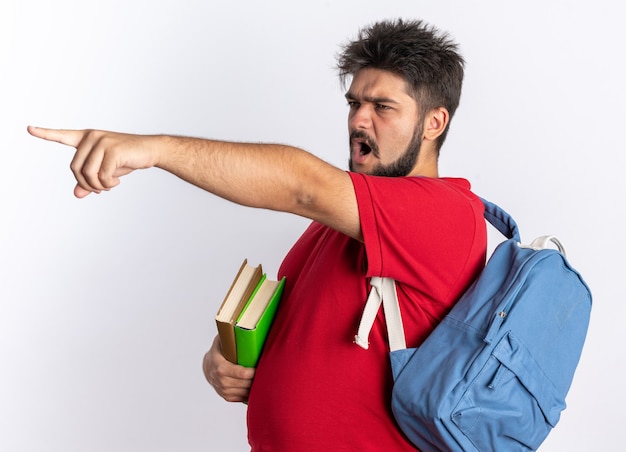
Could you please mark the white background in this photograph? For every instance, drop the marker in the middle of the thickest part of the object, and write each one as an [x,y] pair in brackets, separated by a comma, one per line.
[107,303]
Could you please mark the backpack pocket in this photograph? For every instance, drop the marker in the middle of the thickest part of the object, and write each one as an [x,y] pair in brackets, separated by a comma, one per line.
[511,401]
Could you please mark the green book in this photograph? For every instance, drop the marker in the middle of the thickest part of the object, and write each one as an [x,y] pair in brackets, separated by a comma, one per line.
[255,320]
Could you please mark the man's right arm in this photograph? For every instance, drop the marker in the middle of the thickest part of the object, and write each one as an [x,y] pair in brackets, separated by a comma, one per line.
[269,176]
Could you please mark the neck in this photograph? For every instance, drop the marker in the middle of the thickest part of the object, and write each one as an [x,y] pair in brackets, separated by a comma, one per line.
[427,164]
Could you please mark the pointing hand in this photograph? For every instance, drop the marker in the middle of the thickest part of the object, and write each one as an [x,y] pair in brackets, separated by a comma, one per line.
[101,157]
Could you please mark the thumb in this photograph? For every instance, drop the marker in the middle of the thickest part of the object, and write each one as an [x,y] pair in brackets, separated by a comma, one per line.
[80,192]
[67,137]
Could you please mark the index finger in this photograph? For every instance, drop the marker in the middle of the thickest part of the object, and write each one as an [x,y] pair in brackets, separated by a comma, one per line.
[67,137]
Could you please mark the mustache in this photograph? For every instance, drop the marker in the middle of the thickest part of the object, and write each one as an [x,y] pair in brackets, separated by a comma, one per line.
[361,135]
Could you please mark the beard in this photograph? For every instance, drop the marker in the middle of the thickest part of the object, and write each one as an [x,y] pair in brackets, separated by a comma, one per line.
[403,165]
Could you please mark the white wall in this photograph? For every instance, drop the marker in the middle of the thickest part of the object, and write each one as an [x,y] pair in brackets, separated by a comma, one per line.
[107,303]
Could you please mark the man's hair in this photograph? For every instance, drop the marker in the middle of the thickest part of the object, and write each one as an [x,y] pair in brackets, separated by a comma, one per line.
[427,59]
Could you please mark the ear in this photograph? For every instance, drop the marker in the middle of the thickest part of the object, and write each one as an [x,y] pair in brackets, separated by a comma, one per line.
[435,123]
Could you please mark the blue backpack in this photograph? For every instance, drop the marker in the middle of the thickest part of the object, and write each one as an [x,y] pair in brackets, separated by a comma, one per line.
[494,374]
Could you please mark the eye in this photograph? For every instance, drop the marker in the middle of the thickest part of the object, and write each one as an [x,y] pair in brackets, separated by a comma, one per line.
[382,107]
[353,104]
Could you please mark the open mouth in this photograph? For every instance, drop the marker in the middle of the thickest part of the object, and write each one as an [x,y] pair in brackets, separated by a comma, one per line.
[361,147]
[365,149]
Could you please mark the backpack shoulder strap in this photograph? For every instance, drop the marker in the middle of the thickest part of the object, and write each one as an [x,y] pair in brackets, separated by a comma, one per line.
[383,290]
[501,220]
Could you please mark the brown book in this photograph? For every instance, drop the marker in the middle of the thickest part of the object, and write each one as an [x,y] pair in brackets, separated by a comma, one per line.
[240,291]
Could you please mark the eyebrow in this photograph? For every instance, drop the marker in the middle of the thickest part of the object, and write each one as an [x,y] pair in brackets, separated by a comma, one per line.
[371,99]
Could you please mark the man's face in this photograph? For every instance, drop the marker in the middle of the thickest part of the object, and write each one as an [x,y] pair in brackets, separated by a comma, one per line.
[385,131]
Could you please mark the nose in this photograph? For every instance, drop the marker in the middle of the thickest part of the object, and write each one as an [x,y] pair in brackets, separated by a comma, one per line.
[360,117]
